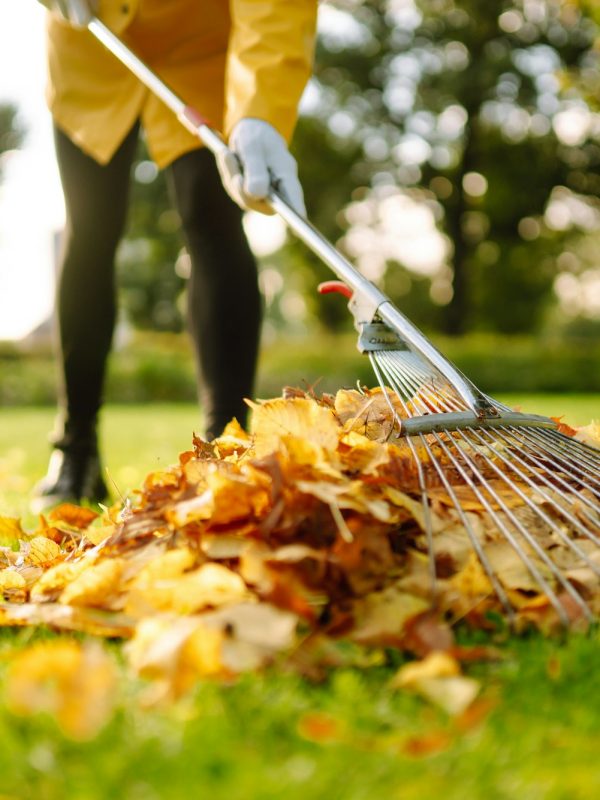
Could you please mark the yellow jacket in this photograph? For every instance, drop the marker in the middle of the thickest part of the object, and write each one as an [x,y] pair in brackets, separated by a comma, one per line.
[227,58]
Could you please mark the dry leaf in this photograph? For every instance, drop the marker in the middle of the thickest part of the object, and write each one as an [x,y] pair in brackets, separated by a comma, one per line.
[209,586]
[320,728]
[42,552]
[298,417]
[10,532]
[95,585]
[10,580]
[589,434]
[73,516]
[437,678]
[75,683]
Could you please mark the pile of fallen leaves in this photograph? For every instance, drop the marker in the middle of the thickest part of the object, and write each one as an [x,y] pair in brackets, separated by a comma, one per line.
[301,542]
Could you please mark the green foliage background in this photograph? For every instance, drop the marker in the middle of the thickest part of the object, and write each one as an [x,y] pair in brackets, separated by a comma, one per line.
[412,98]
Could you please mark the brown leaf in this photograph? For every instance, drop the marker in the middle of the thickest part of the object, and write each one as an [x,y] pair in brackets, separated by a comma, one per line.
[320,728]
[74,516]
[428,744]
[426,633]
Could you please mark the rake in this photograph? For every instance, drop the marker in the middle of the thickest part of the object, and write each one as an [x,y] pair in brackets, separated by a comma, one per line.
[539,488]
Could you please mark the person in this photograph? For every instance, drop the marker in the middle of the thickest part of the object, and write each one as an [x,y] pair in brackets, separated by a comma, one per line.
[244,66]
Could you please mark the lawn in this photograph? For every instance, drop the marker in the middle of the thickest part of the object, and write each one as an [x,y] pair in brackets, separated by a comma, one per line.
[533,734]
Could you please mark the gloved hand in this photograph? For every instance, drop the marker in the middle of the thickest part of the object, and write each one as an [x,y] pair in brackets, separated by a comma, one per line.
[258,157]
[77,12]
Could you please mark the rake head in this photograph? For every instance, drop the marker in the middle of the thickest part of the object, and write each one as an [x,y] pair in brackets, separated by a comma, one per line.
[514,483]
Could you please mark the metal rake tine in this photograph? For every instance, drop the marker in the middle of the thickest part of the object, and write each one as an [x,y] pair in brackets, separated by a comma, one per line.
[407,381]
[557,459]
[420,478]
[585,454]
[531,539]
[558,478]
[521,458]
[403,380]
[393,369]
[554,438]
[445,398]
[550,447]
[491,439]
[543,584]
[483,559]
[541,514]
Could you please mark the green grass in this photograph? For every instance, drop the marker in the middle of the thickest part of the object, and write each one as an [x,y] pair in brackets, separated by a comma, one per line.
[538,742]
[242,741]
[135,441]
[575,409]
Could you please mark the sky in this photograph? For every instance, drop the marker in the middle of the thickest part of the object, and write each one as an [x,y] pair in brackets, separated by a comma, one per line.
[31,206]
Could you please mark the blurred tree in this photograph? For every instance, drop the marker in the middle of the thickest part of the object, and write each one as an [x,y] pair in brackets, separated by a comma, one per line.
[11,130]
[465,108]
[472,119]
[151,262]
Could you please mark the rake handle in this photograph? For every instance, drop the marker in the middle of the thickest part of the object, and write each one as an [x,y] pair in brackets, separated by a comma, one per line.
[372,299]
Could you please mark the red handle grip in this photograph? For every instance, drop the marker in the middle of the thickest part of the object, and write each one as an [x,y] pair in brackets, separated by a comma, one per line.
[335,286]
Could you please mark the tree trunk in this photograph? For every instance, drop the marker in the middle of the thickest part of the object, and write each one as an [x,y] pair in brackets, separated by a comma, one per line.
[456,313]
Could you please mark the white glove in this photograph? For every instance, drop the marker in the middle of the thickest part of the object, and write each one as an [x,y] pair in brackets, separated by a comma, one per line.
[258,158]
[77,12]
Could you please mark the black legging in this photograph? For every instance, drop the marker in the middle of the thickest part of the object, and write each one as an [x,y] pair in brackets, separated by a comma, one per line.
[223,299]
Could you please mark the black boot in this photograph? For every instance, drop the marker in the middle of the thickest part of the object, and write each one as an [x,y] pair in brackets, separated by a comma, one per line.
[74,474]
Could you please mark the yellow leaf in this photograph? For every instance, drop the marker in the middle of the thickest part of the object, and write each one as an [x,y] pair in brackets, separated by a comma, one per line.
[435,665]
[174,652]
[305,457]
[235,497]
[171,564]
[73,682]
[453,695]
[363,455]
[404,501]
[510,569]
[223,546]
[259,624]
[96,534]
[154,648]
[210,585]
[472,580]
[233,441]
[368,414]
[10,579]
[10,532]
[202,651]
[94,585]
[299,417]
[54,580]
[42,551]
[437,678]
